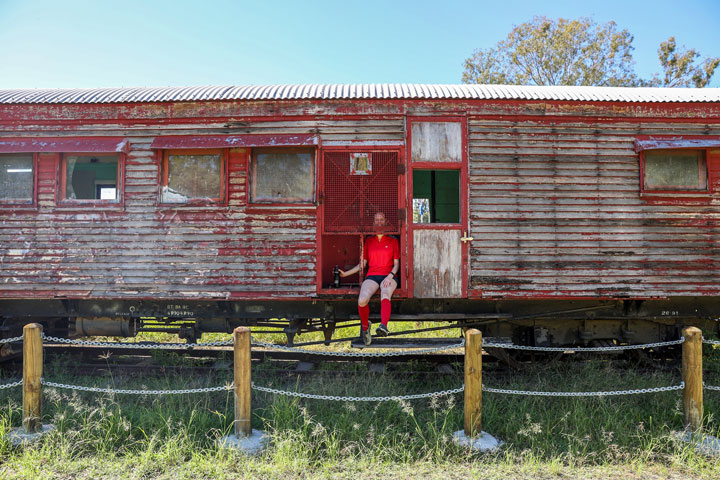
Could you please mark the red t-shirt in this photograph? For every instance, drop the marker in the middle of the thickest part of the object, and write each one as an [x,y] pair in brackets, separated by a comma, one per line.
[380,254]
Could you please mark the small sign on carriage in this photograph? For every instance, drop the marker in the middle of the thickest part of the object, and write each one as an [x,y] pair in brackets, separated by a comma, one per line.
[360,164]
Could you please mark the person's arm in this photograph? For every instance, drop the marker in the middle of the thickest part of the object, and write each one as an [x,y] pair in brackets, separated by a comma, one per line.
[352,271]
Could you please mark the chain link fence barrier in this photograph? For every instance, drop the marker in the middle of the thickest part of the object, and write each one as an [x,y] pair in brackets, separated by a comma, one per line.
[357,354]
[145,346]
[256,343]
[358,399]
[137,392]
[585,394]
[583,349]
[11,384]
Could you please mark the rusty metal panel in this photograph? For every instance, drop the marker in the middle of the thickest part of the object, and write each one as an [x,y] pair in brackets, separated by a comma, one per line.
[437,142]
[437,267]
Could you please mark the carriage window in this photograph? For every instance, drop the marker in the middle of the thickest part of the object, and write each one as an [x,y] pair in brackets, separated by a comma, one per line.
[675,170]
[16,178]
[436,196]
[90,177]
[193,176]
[282,176]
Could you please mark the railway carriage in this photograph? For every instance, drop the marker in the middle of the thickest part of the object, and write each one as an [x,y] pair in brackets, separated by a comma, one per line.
[546,215]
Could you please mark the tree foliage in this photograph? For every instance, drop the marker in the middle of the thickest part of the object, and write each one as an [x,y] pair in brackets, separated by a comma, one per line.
[680,68]
[562,52]
[579,52]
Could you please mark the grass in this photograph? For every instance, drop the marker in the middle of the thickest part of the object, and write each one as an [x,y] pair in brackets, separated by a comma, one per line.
[173,436]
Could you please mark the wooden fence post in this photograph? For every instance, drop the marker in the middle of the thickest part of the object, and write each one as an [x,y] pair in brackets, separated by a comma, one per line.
[692,376]
[32,377]
[243,424]
[473,382]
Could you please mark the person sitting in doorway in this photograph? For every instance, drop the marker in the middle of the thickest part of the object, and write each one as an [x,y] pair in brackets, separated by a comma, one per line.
[382,254]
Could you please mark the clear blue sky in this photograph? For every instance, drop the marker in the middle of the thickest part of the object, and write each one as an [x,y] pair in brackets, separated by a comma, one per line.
[103,43]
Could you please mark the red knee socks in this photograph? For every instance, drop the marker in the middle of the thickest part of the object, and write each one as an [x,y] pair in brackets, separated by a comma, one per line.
[385,311]
[364,314]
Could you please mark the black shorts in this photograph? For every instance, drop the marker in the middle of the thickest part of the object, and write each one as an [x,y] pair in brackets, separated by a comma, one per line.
[379,279]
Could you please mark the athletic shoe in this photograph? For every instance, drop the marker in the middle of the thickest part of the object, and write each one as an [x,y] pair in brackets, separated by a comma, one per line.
[366,337]
[382,331]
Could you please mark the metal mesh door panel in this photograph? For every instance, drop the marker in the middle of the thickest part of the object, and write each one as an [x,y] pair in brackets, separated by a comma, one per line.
[351,201]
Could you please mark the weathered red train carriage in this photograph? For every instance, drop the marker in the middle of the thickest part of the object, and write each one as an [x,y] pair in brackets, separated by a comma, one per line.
[552,215]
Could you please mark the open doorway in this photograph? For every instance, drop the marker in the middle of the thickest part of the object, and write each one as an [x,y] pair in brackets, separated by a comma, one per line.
[356,184]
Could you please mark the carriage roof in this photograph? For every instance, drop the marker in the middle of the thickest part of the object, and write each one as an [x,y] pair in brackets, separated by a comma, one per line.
[384,91]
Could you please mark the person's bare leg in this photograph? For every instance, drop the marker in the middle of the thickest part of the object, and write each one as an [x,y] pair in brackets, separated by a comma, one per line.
[385,307]
[387,293]
[367,290]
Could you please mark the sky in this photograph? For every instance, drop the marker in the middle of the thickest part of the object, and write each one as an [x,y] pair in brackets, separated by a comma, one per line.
[138,43]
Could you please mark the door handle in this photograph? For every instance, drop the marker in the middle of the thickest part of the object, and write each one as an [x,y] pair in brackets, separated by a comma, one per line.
[465,238]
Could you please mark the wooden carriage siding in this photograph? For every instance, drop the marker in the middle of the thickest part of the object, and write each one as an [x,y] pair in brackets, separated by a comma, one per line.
[555,206]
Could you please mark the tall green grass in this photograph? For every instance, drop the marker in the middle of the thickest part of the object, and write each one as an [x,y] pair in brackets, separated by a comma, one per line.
[173,436]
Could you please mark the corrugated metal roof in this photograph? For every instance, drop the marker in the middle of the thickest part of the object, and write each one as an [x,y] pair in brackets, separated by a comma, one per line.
[358,91]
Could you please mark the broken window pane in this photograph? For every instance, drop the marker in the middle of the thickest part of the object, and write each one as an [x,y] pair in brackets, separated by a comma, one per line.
[283,176]
[436,196]
[91,177]
[675,170]
[16,177]
[193,177]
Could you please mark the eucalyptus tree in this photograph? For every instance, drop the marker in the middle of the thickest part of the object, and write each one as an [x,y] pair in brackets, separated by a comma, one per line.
[579,52]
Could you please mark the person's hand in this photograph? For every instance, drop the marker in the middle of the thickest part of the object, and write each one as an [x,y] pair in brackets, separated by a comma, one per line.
[386,283]
[343,273]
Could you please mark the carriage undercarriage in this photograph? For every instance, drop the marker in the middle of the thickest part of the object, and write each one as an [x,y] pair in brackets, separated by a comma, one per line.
[541,323]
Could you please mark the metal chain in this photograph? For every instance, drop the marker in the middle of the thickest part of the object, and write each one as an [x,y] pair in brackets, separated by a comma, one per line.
[190,346]
[10,340]
[138,392]
[167,346]
[711,387]
[358,354]
[148,346]
[583,349]
[358,399]
[585,394]
[711,342]
[11,384]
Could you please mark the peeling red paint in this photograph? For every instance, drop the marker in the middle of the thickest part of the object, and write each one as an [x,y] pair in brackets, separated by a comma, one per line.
[554,201]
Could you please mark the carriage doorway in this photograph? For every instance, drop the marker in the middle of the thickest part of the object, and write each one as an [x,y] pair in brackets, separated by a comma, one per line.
[356,184]
[437,199]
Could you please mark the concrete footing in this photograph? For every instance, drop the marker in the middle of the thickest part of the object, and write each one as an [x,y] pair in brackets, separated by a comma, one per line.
[254,444]
[482,443]
[19,436]
[705,444]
